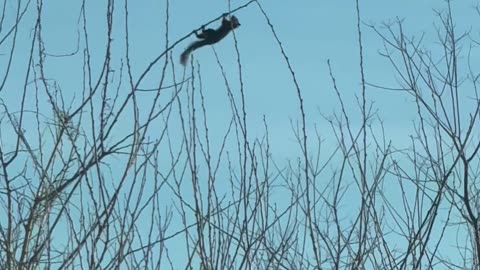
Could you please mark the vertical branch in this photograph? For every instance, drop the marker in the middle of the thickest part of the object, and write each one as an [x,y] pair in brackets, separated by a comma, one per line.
[309,206]
[363,165]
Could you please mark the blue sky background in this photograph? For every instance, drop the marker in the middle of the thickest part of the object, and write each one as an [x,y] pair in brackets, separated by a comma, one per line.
[311,32]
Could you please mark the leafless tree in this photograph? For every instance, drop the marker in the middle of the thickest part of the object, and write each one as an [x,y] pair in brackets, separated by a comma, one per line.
[106,165]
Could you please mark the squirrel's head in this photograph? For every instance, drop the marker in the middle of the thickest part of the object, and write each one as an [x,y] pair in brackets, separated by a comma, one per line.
[231,22]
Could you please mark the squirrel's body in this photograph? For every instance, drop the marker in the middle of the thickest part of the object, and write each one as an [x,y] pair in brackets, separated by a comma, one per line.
[210,36]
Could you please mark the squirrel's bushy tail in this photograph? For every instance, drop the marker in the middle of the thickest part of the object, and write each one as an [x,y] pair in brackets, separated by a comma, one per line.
[195,45]
[184,56]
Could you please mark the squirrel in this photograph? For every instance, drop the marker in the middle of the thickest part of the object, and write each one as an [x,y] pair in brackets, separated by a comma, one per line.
[210,36]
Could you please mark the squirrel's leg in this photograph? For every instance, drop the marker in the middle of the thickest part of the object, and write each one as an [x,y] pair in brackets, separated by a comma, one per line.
[203,34]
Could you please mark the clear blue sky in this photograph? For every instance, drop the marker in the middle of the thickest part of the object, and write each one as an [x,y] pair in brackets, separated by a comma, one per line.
[311,32]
